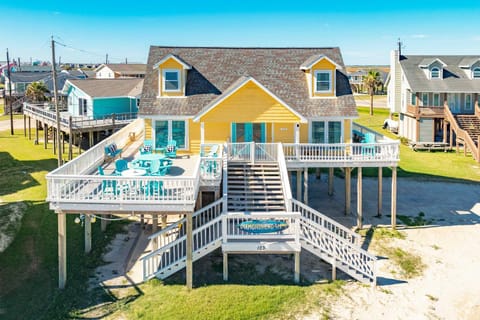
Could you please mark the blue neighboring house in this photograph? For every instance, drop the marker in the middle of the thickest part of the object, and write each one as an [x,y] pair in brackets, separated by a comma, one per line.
[97,98]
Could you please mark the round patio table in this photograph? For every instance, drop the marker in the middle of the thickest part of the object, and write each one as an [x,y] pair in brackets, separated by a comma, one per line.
[134,172]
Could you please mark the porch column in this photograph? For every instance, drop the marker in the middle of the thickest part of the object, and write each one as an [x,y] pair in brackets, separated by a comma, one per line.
[394,198]
[202,132]
[330,181]
[62,249]
[359,199]
[88,233]
[380,187]
[305,186]
[189,264]
[297,132]
[299,185]
[348,177]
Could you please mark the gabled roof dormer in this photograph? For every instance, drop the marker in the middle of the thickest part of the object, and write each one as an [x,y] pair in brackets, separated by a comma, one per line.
[432,67]
[471,66]
[320,74]
[172,76]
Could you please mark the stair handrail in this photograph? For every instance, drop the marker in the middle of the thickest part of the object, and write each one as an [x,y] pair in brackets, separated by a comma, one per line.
[282,165]
[326,223]
[462,134]
[341,250]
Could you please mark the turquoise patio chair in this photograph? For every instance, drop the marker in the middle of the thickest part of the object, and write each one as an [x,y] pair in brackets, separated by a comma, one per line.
[120,166]
[171,149]
[368,150]
[158,168]
[147,147]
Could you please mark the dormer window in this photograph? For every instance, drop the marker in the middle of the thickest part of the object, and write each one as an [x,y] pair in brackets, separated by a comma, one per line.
[171,80]
[476,73]
[323,81]
[435,73]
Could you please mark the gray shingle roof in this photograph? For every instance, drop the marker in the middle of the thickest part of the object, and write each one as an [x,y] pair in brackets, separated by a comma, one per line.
[455,79]
[214,70]
[97,88]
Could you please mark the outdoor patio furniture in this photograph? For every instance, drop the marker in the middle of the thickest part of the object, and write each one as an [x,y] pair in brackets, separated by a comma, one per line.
[171,149]
[112,151]
[369,150]
[159,169]
[147,147]
[120,165]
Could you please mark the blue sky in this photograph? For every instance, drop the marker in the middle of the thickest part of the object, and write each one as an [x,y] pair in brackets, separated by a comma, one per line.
[364,31]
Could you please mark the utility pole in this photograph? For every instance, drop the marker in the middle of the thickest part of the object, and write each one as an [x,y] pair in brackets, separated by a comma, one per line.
[106,58]
[126,61]
[57,112]
[10,93]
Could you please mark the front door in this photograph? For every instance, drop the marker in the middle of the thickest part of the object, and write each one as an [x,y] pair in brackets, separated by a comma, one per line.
[248,132]
[454,102]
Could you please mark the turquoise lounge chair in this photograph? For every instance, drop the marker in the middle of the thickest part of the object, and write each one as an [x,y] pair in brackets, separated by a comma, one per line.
[171,149]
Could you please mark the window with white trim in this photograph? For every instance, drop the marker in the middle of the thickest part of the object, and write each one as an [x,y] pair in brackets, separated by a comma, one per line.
[476,73]
[413,99]
[166,130]
[435,73]
[468,102]
[326,132]
[323,81]
[82,106]
[425,99]
[171,80]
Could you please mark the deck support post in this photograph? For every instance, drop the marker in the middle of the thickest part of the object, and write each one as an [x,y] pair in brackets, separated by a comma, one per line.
[30,129]
[154,223]
[189,263]
[62,249]
[88,233]
[225,266]
[103,224]
[305,186]
[79,143]
[348,190]
[70,139]
[45,135]
[334,270]
[394,198]
[330,181]
[380,194]
[299,185]
[359,199]
[54,140]
[444,140]
[451,136]
[296,275]
[24,125]
[216,194]
[90,139]
[318,173]
[142,221]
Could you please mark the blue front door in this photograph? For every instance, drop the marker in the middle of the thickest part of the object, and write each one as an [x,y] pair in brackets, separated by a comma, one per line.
[248,132]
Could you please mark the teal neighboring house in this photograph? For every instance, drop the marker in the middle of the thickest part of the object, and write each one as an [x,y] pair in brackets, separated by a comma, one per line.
[98,98]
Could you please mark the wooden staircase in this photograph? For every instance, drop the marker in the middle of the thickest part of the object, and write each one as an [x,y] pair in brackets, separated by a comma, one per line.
[254,187]
[471,124]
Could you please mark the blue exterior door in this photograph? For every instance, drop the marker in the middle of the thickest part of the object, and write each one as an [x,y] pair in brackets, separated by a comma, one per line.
[248,132]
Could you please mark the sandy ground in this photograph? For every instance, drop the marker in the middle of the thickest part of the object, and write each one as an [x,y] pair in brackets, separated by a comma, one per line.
[363,100]
[449,287]
[5,124]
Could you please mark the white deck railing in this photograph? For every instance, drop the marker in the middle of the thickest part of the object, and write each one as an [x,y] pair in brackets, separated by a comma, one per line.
[342,152]
[252,151]
[346,255]
[315,217]
[211,163]
[287,190]
[171,241]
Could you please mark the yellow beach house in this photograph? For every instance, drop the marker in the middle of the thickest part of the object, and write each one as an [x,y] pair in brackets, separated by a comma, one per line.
[231,127]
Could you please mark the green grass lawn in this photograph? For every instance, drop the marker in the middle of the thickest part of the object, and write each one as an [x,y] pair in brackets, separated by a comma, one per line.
[422,164]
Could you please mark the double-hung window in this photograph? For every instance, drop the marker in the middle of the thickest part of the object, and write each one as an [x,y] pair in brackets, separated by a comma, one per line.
[425,99]
[413,100]
[166,130]
[323,81]
[82,106]
[326,132]
[468,101]
[436,100]
[171,80]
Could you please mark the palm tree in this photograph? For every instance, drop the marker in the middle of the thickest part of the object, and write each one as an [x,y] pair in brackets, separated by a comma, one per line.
[36,92]
[371,81]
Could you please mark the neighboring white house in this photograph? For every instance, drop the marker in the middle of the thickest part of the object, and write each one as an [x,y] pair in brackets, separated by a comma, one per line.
[436,96]
[120,70]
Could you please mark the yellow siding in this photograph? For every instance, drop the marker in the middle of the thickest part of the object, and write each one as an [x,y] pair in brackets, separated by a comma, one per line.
[250,104]
[148,129]
[347,129]
[217,132]
[284,132]
[172,64]
[323,64]
[194,137]
[304,133]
